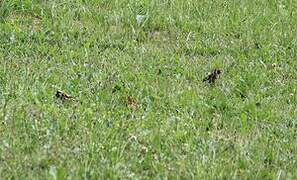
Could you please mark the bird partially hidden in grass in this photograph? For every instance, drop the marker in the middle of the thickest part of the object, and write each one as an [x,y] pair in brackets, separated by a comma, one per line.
[131,103]
[63,96]
[212,76]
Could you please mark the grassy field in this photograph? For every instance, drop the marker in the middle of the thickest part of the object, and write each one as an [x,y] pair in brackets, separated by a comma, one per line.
[140,107]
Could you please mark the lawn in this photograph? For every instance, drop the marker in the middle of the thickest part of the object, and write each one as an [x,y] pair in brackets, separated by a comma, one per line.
[140,108]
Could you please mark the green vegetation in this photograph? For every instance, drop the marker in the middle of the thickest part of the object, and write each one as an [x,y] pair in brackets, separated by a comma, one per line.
[141,110]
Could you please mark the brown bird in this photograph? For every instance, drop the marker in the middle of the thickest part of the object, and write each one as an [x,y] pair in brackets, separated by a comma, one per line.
[63,96]
[213,76]
[131,103]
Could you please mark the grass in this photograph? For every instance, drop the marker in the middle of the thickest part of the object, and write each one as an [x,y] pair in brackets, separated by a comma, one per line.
[141,108]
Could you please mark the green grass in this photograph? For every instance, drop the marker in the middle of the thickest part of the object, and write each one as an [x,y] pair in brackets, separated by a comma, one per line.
[142,110]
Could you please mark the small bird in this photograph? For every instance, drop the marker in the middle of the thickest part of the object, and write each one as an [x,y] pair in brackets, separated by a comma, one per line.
[131,103]
[212,76]
[63,96]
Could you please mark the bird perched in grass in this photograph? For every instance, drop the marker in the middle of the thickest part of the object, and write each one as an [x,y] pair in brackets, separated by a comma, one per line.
[212,76]
[63,96]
